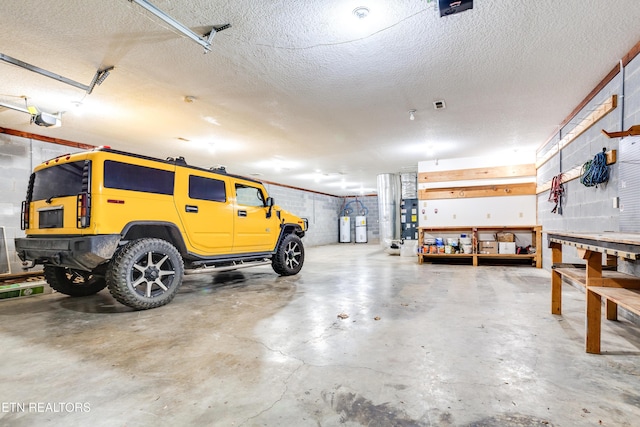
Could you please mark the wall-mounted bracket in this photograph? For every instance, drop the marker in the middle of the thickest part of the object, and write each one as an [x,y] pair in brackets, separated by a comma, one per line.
[632,131]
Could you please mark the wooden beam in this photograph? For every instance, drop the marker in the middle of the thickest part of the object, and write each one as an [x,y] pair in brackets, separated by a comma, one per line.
[477,191]
[602,110]
[58,141]
[575,172]
[477,173]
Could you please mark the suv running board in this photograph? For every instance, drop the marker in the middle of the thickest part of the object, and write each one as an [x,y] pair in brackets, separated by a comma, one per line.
[235,266]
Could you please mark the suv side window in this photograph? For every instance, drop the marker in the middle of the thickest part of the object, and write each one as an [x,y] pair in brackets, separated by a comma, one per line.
[207,189]
[125,176]
[249,196]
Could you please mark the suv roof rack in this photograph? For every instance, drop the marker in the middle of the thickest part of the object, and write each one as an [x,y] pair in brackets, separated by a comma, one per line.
[218,169]
[178,160]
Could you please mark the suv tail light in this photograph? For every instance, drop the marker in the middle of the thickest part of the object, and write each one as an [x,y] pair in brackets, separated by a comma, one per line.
[83,206]
[24,215]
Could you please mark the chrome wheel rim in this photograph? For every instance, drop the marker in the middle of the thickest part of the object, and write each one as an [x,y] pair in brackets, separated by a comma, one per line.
[152,274]
[292,255]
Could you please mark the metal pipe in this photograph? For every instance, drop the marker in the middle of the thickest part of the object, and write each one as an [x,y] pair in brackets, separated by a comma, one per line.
[389,195]
[622,89]
[39,70]
[13,107]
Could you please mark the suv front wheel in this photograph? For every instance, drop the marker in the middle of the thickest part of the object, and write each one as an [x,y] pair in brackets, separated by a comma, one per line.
[145,273]
[289,256]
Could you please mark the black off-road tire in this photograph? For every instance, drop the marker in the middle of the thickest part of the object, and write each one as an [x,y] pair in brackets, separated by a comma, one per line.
[289,256]
[75,283]
[145,273]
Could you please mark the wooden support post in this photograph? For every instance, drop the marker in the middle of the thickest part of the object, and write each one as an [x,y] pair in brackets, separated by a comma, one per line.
[592,333]
[538,240]
[556,279]
[611,309]
[594,302]
[594,267]
[612,261]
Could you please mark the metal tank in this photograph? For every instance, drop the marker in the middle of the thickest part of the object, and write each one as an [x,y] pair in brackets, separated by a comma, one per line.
[389,195]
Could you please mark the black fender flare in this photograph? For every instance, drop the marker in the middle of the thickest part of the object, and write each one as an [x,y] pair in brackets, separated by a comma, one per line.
[286,229]
[154,229]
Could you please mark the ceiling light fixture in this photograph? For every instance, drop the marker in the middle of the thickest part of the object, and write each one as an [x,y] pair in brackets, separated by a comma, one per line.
[412,114]
[361,12]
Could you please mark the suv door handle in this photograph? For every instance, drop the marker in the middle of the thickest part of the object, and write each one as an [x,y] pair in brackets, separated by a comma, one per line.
[191,208]
[242,213]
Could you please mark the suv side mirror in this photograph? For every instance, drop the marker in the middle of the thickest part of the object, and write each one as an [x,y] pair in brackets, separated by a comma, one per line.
[269,203]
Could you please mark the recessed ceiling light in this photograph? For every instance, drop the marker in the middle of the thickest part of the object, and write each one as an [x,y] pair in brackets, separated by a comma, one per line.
[361,12]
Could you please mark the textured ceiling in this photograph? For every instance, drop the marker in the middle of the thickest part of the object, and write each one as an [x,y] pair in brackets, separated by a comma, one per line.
[306,94]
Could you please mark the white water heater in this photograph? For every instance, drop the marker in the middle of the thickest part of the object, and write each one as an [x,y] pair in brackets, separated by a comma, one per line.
[345,229]
[361,229]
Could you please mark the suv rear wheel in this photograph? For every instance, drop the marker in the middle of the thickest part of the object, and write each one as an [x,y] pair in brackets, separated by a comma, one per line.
[75,283]
[289,257]
[145,273]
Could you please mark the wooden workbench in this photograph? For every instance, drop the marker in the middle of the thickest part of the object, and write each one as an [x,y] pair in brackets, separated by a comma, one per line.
[615,287]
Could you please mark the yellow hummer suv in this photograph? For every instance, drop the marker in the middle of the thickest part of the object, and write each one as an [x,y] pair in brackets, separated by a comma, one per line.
[136,224]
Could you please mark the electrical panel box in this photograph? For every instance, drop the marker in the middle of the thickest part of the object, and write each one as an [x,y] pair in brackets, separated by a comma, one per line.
[409,219]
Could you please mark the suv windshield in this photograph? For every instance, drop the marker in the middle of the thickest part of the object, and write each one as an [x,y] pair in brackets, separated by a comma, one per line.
[58,181]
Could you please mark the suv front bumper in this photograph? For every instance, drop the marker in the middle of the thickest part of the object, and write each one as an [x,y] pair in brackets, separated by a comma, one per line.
[82,253]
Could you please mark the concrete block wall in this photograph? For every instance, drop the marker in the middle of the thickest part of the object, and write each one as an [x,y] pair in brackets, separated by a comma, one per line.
[18,156]
[631,117]
[320,209]
[591,209]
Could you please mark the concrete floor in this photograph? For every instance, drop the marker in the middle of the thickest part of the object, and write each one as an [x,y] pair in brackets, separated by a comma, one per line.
[453,346]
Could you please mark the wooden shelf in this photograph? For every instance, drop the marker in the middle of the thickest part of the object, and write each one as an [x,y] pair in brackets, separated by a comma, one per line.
[473,232]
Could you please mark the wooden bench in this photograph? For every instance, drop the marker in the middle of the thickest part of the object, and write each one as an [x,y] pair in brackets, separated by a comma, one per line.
[617,289]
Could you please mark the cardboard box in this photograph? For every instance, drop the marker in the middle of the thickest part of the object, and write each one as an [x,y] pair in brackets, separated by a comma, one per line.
[488,247]
[506,247]
[504,236]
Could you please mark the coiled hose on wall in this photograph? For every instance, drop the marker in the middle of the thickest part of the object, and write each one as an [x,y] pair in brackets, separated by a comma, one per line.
[595,171]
